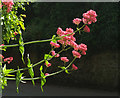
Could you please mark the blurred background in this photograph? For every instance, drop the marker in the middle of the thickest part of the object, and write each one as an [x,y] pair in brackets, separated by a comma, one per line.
[99,68]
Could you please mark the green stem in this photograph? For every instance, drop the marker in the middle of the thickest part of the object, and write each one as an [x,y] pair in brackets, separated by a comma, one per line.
[36,78]
[62,69]
[46,66]
[38,62]
[38,41]
[27,67]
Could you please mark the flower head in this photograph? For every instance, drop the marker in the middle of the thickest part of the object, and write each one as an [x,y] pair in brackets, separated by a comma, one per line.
[48,65]
[86,29]
[55,45]
[77,21]
[82,47]
[89,17]
[64,59]
[74,67]
[8,60]
[46,74]
[9,4]
[76,54]
[53,53]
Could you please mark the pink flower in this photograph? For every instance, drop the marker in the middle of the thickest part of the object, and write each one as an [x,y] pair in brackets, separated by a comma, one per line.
[8,60]
[60,31]
[1,5]
[46,74]
[77,21]
[55,45]
[86,29]
[92,13]
[53,53]
[74,67]
[76,54]
[15,33]
[2,45]
[52,44]
[74,45]
[83,53]
[82,47]
[9,4]
[69,30]
[48,65]
[86,15]
[89,17]
[64,59]
[1,56]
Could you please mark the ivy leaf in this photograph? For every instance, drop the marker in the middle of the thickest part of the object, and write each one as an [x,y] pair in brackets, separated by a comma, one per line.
[31,72]
[43,80]
[21,47]
[18,79]
[47,57]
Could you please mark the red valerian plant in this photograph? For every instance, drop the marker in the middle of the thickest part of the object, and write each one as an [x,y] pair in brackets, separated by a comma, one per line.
[64,40]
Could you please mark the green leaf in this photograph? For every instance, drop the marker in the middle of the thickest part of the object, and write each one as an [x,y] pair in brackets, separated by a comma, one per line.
[18,79]
[6,71]
[3,82]
[46,62]
[47,57]
[22,25]
[54,39]
[67,71]
[21,47]
[31,72]
[43,80]
[64,68]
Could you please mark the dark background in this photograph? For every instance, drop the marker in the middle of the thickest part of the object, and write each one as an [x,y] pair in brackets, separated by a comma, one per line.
[99,68]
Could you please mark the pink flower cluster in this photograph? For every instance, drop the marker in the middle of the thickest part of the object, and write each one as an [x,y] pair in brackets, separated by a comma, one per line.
[53,53]
[76,54]
[66,40]
[9,4]
[89,17]
[77,21]
[55,45]
[64,59]
[8,60]
[82,48]
[67,37]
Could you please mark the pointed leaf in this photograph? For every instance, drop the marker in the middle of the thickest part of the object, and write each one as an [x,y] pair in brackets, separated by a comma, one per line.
[43,80]
[47,57]
[21,47]
[54,39]
[31,72]
[18,79]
